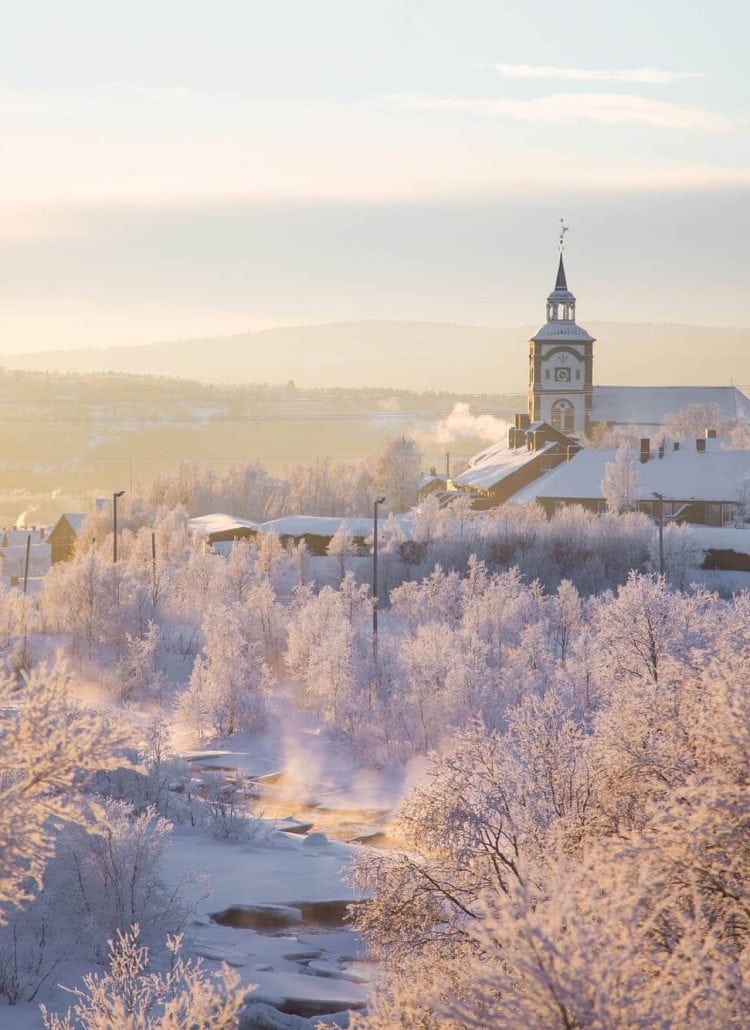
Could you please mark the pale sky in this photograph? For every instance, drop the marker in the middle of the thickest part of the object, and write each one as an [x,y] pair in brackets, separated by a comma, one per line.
[187,168]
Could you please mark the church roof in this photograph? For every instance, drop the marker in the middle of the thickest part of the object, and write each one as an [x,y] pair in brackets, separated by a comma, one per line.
[563,330]
[648,405]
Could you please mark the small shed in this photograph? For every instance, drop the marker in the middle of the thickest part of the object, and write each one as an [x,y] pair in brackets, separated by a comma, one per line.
[63,536]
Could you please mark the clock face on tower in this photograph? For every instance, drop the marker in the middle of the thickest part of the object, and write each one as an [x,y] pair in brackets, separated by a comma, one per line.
[562,375]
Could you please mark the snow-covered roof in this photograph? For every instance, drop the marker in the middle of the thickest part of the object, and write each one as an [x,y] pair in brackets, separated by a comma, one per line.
[564,330]
[315,525]
[682,475]
[491,466]
[74,519]
[722,538]
[648,405]
[219,523]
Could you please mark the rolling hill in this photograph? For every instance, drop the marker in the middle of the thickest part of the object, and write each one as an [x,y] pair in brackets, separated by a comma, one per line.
[416,356]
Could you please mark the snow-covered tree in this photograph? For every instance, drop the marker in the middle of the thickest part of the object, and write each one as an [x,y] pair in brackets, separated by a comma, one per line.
[620,483]
[694,420]
[395,473]
[225,692]
[47,750]
[133,997]
[341,547]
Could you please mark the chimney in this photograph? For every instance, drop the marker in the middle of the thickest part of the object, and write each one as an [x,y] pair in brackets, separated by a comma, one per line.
[700,446]
[512,433]
[676,445]
[522,420]
[540,439]
[645,449]
[710,434]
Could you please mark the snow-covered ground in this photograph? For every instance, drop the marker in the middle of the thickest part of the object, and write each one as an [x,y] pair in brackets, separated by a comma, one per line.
[274,906]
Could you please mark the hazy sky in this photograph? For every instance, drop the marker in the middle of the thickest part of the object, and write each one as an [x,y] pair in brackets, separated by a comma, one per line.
[186,168]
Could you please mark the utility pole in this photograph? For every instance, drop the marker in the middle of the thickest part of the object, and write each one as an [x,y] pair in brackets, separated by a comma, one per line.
[447,465]
[153,567]
[115,498]
[26,564]
[660,498]
[379,500]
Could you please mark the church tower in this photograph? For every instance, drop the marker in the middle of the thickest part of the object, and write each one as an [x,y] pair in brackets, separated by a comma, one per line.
[561,362]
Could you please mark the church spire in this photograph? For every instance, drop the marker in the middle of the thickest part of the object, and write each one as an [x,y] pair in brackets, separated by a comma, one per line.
[561,283]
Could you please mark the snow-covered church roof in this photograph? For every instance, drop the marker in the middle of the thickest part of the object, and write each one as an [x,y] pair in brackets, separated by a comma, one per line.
[648,405]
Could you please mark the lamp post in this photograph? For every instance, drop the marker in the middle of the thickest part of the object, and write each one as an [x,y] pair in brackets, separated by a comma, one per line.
[379,500]
[115,498]
[660,499]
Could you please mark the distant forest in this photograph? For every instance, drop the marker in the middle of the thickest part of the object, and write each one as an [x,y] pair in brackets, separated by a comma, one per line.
[66,439]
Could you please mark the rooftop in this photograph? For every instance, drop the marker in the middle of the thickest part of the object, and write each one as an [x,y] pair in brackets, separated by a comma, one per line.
[648,405]
[683,475]
[493,465]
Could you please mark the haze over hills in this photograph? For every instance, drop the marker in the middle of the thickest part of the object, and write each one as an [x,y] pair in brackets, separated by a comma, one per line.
[416,356]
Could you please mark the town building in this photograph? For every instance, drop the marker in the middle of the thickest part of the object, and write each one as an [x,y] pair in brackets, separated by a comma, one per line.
[63,536]
[497,473]
[221,528]
[317,531]
[699,481]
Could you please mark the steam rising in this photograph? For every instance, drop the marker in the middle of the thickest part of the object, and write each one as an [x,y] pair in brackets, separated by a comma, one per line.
[24,519]
[460,424]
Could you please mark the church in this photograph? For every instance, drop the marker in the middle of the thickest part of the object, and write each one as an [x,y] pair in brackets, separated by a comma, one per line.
[565,409]
[561,380]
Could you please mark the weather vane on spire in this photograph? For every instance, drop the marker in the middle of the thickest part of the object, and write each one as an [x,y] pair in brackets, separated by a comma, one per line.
[563,229]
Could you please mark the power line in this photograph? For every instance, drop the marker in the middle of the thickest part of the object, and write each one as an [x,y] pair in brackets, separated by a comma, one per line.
[362,416]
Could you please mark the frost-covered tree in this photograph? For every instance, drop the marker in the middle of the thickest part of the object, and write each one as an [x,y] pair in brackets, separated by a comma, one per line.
[583,872]
[341,547]
[329,652]
[694,420]
[225,694]
[683,555]
[132,997]
[395,473]
[620,483]
[47,750]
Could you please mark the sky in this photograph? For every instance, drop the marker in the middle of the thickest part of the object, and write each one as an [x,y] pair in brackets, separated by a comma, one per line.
[177,169]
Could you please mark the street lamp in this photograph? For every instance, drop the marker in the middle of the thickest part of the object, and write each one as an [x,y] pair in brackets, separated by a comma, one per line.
[114,524]
[379,500]
[660,499]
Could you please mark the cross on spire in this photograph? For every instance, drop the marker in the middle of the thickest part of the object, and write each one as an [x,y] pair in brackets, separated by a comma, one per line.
[563,229]
[561,283]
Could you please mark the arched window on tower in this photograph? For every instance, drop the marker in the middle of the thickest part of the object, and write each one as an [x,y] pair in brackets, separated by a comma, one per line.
[563,416]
